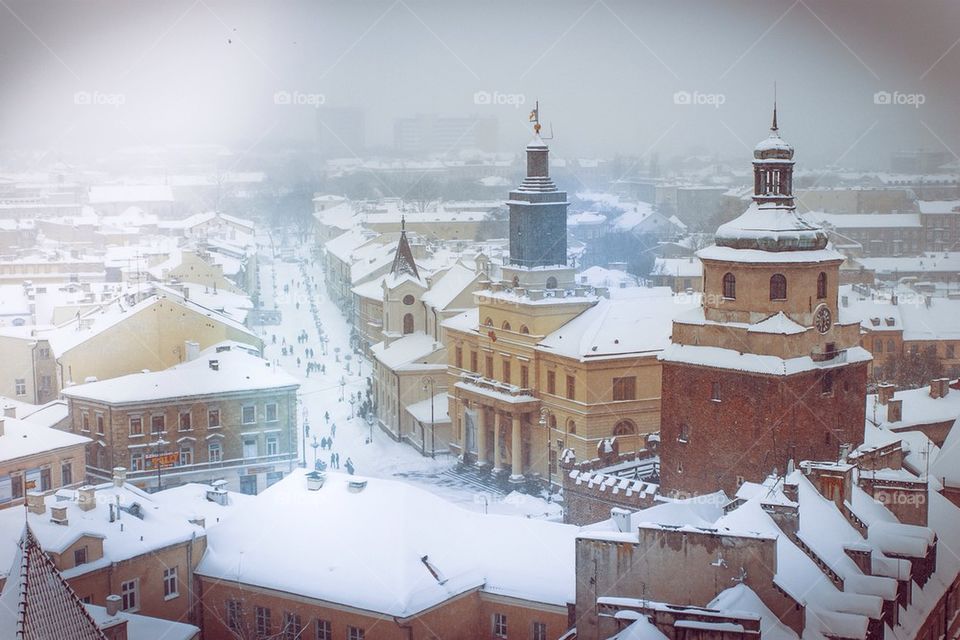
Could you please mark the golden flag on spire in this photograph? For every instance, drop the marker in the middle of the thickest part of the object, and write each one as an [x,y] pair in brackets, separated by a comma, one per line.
[535,115]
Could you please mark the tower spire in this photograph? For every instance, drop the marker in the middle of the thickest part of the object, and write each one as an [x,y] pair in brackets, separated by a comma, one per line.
[774,126]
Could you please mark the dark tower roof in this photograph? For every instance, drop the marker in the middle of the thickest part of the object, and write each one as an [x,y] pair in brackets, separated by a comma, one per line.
[403,262]
[43,604]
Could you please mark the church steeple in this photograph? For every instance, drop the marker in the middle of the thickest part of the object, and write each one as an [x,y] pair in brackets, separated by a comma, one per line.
[773,168]
[403,262]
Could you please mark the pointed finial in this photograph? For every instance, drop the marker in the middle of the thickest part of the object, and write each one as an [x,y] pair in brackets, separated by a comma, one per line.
[403,223]
[774,126]
[535,117]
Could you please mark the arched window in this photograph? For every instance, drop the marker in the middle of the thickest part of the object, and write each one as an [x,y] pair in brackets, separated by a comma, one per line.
[505,326]
[408,299]
[551,283]
[571,427]
[822,286]
[778,287]
[624,428]
[552,421]
[407,323]
[729,286]
[488,322]
[524,330]
[891,347]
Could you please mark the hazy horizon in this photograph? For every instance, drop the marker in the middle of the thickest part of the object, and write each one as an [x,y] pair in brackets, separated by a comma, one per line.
[606,73]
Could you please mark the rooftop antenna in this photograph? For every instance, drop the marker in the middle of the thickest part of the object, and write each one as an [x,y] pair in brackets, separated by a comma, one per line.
[535,119]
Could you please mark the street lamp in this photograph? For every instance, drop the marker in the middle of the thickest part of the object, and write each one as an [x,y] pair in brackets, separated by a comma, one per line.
[353,401]
[370,424]
[347,359]
[314,444]
[343,383]
[544,412]
[156,460]
[427,381]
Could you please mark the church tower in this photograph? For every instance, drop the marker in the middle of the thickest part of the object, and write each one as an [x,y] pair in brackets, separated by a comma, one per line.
[764,372]
[538,222]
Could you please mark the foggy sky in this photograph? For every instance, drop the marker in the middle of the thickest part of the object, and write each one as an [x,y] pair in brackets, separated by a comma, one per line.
[605,72]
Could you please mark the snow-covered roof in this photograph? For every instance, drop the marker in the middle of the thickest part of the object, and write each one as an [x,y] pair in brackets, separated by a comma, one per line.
[918,408]
[144,627]
[930,262]
[237,371]
[440,404]
[450,285]
[405,350]
[618,327]
[20,439]
[868,220]
[939,206]
[123,539]
[771,228]
[778,323]
[721,358]
[753,256]
[690,267]
[341,530]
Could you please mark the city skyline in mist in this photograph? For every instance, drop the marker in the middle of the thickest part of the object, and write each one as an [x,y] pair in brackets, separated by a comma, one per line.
[856,81]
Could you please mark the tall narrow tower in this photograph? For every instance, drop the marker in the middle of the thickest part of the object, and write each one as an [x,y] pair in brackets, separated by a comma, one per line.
[538,215]
[765,371]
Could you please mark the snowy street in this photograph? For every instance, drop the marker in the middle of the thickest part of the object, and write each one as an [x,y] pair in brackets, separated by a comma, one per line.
[329,390]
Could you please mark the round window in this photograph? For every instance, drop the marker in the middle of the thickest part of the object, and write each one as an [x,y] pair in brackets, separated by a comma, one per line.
[408,299]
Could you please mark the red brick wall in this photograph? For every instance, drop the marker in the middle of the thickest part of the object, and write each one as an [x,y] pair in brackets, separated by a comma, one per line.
[760,423]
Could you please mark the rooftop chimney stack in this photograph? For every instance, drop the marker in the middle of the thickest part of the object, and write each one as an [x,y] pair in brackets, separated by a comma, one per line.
[621,518]
[1,427]
[58,515]
[87,497]
[35,502]
[113,605]
[885,392]
[10,411]
[119,476]
[895,411]
[939,387]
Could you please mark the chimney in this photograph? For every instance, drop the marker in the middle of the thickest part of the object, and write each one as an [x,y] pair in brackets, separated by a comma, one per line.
[87,497]
[58,515]
[1,427]
[35,503]
[885,392]
[893,300]
[200,521]
[939,387]
[10,411]
[191,348]
[113,604]
[215,365]
[895,411]
[119,476]
[621,518]
[217,495]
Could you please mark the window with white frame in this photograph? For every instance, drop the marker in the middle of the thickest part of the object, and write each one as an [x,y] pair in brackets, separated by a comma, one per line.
[136,462]
[324,630]
[234,614]
[158,423]
[292,626]
[186,423]
[271,408]
[539,631]
[136,425]
[85,422]
[355,633]
[500,625]
[20,386]
[186,454]
[213,418]
[100,424]
[263,622]
[66,473]
[248,414]
[130,595]
[273,445]
[171,588]
[214,452]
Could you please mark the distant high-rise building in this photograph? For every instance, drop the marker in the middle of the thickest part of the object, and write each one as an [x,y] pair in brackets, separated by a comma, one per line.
[431,134]
[341,131]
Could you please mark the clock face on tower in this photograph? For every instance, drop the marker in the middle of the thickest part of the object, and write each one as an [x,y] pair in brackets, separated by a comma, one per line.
[821,319]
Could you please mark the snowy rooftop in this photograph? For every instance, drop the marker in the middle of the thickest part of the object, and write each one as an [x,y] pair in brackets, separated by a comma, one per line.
[144,627]
[341,530]
[753,363]
[451,284]
[918,408]
[617,327]
[868,220]
[771,228]
[939,206]
[105,194]
[123,539]
[237,371]
[680,267]
[405,350]
[931,262]
[20,438]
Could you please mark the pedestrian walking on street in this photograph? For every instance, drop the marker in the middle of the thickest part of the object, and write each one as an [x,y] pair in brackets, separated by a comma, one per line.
[333,430]
[333,461]
[326,416]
